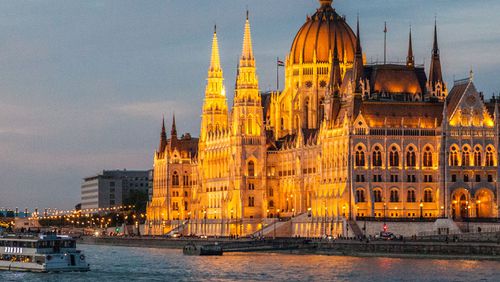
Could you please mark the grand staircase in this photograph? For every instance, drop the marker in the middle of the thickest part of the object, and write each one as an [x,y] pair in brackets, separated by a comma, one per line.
[178,229]
[354,227]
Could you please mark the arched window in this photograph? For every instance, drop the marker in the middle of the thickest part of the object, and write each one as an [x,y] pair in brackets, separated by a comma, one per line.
[360,156]
[271,204]
[489,157]
[465,156]
[411,196]
[427,160]
[428,196]
[377,196]
[377,157]
[185,180]
[477,156]
[360,196]
[251,168]
[394,196]
[411,158]
[394,157]
[453,156]
[175,179]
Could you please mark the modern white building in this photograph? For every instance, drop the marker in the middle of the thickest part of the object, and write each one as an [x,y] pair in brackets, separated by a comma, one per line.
[112,187]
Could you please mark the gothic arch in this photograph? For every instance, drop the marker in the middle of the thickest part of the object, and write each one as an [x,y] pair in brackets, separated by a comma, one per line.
[485,202]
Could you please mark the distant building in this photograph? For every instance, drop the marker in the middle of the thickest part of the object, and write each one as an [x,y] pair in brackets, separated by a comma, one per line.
[112,187]
[150,185]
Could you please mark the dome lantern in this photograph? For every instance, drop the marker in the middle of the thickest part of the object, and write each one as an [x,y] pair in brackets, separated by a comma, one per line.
[326,3]
[317,36]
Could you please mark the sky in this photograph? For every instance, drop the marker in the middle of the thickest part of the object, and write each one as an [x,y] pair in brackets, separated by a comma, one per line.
[84,84]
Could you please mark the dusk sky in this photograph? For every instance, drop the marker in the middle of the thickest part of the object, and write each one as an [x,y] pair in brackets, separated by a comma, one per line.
[84,84]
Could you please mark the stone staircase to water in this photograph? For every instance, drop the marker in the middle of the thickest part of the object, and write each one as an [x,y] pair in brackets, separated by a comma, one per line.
[179,229]
[279,228]
[354,227]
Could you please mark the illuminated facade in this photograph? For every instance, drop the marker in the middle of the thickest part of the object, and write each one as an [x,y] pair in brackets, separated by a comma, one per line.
[344,140]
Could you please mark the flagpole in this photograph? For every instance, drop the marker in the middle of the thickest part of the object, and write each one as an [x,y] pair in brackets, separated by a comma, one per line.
[277,74]
[385,43]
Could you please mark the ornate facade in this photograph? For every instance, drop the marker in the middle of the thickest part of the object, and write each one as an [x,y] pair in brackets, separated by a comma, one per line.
[344,140]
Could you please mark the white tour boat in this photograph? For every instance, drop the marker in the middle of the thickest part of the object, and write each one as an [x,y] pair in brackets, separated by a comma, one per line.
[41,253]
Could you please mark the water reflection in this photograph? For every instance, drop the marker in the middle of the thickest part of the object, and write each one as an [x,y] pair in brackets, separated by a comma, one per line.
[120,263]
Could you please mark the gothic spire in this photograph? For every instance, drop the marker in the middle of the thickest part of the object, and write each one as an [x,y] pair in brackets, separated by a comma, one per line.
[410,59]
[247,76]
[173,131]
[247,58]
[163,137]
[335,76]
[435,74]
[358,60]
[215,58]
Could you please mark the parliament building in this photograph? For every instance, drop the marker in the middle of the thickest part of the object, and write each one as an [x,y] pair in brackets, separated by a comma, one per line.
[344,142]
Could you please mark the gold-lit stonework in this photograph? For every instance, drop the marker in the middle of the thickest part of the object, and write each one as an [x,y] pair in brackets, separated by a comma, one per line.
[344,141]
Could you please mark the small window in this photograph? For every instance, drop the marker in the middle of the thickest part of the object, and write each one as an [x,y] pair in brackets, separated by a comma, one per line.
[377,196]
[251,168]
[360,196]
[428,196]
[251,201]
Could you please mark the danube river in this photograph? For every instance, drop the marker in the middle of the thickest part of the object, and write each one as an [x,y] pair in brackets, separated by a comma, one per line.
[124,264]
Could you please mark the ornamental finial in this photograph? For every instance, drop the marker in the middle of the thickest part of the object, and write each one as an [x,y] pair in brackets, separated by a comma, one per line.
[326,3]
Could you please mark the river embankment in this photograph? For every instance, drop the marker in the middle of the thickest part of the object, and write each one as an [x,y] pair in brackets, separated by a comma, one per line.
[400,249]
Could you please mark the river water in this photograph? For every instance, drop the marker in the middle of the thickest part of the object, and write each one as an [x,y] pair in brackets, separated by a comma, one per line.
[110,263]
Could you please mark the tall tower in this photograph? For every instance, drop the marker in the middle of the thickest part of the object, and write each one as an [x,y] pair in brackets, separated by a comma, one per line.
[248,135]
[436,87]
[247,112]
[214,116]
[157,210]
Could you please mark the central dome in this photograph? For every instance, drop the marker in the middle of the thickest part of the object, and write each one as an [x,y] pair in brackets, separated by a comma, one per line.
[317,35]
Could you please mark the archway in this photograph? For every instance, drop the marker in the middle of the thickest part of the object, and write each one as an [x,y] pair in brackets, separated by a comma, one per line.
[460,204]
[484,203]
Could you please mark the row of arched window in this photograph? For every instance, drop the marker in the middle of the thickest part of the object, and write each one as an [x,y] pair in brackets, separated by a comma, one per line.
[394,196]
[468,157]
[175,179]
[394,157]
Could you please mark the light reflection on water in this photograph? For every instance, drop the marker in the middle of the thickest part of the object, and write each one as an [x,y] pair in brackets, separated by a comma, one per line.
[121,263]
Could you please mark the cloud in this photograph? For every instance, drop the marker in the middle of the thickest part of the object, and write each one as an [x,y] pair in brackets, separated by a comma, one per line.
[154,109]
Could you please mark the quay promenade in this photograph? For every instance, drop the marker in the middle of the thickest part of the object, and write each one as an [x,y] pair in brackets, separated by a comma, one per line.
[450,249]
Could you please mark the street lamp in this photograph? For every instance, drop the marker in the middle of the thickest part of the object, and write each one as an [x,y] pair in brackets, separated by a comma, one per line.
[385,212]
[468,218]
[421,209]
[274,224]
[478,202]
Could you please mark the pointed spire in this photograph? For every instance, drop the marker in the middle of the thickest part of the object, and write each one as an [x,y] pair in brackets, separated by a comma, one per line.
[247,58]
[215,58]
[435,74]
[410,59]
[163,137]
[335,76]
[435,48]
[358,60]
[173,131]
